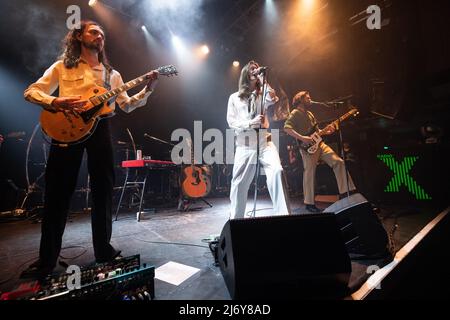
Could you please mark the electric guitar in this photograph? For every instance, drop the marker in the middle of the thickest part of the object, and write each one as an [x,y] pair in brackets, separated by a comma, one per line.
[317,136]
[196,183]
[71,128]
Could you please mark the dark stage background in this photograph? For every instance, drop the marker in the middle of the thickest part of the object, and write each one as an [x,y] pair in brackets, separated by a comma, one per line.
[398,77]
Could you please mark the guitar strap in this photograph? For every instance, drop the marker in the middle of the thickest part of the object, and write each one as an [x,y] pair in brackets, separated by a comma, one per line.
[107,78]
[107,83]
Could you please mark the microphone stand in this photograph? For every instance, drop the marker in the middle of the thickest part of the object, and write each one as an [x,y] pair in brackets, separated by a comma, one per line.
[257,142]
[334,106]
[169,144]
[157,139]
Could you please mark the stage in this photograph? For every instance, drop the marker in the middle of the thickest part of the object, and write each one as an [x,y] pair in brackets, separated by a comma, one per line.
[169,235]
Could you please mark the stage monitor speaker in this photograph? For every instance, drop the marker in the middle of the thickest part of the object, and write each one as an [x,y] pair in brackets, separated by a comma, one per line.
[284,257]
[363,232]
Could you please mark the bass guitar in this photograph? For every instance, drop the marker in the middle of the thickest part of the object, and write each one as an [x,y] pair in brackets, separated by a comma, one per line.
[70,128]
[317,136]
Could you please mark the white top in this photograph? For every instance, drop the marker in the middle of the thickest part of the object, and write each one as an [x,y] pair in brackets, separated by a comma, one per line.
[77,81]
[239,115]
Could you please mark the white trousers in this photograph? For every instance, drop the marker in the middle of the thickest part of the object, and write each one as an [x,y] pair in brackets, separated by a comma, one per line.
[244,173]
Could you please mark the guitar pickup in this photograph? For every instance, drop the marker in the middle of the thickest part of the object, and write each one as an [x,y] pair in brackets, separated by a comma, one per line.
[88,114]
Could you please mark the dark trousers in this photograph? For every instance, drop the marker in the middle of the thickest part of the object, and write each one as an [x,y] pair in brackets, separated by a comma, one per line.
[60,181]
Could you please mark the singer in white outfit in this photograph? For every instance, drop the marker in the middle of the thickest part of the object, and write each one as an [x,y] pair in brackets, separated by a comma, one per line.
[244,115]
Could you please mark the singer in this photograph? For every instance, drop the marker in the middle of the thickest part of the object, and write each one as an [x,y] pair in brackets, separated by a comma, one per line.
[300,124]
[244,115]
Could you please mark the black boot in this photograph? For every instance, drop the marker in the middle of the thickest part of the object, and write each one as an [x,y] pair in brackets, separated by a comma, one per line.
[37,270]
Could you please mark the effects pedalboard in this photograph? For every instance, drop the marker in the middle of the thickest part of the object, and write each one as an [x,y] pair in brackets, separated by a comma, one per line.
[122,279]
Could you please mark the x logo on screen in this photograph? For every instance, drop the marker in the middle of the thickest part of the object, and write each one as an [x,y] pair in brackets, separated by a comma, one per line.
[402,177]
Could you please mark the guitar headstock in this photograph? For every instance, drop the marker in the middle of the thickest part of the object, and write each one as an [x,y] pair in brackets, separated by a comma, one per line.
[353,111]
[168,70]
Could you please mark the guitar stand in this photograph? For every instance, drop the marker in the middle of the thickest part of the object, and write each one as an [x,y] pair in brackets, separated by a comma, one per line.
[184,204]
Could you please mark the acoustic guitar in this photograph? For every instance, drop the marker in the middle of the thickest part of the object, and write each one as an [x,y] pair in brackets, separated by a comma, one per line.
[196,182]
[70,128]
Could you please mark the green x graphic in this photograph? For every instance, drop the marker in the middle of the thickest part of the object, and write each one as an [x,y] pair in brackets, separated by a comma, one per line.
[401,176]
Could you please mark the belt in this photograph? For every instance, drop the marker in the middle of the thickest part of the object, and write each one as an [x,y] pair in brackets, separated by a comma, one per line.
[268,139]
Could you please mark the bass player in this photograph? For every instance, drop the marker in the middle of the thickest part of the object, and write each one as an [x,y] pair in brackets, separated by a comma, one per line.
[300,124]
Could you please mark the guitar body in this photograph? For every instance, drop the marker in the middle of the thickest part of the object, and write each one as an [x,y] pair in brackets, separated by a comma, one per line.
[196,183]
[68,128]
[311,148]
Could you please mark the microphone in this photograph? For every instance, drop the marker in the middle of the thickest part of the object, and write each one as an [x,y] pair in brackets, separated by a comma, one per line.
[335,102]
[260,70]
[327,104]
[319,103]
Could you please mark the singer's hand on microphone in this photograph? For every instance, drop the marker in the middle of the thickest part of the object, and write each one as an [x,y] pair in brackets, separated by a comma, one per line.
[261,78]
[259,71]
[257,121]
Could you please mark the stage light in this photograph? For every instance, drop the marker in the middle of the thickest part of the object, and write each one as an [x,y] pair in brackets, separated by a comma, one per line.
[270,11]
[92,3]
[204,49]
[235,63]
[177,43]
[144,28]
[308,4]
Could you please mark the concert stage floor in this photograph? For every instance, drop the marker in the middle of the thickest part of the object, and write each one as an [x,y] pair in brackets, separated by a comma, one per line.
[170,235]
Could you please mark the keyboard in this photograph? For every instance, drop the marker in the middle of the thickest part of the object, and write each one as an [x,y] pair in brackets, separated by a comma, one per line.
[147,163]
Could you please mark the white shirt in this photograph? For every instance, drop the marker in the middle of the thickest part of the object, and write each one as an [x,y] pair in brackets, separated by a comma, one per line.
[77,81]
[239,117]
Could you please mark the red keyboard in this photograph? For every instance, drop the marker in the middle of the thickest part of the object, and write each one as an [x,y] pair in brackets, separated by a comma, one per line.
[146,163]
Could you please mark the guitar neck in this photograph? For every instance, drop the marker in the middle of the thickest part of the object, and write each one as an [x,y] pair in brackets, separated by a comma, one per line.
[167,70]
[126,86]
[341,118]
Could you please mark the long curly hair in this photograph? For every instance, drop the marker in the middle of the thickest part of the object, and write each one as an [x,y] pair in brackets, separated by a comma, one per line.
[244,81]
[72,47]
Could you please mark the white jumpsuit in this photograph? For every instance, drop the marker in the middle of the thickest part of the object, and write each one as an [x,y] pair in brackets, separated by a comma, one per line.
[239,117]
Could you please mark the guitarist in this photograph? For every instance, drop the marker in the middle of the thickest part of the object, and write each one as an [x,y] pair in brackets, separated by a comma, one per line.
[299,124]
[82,65]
